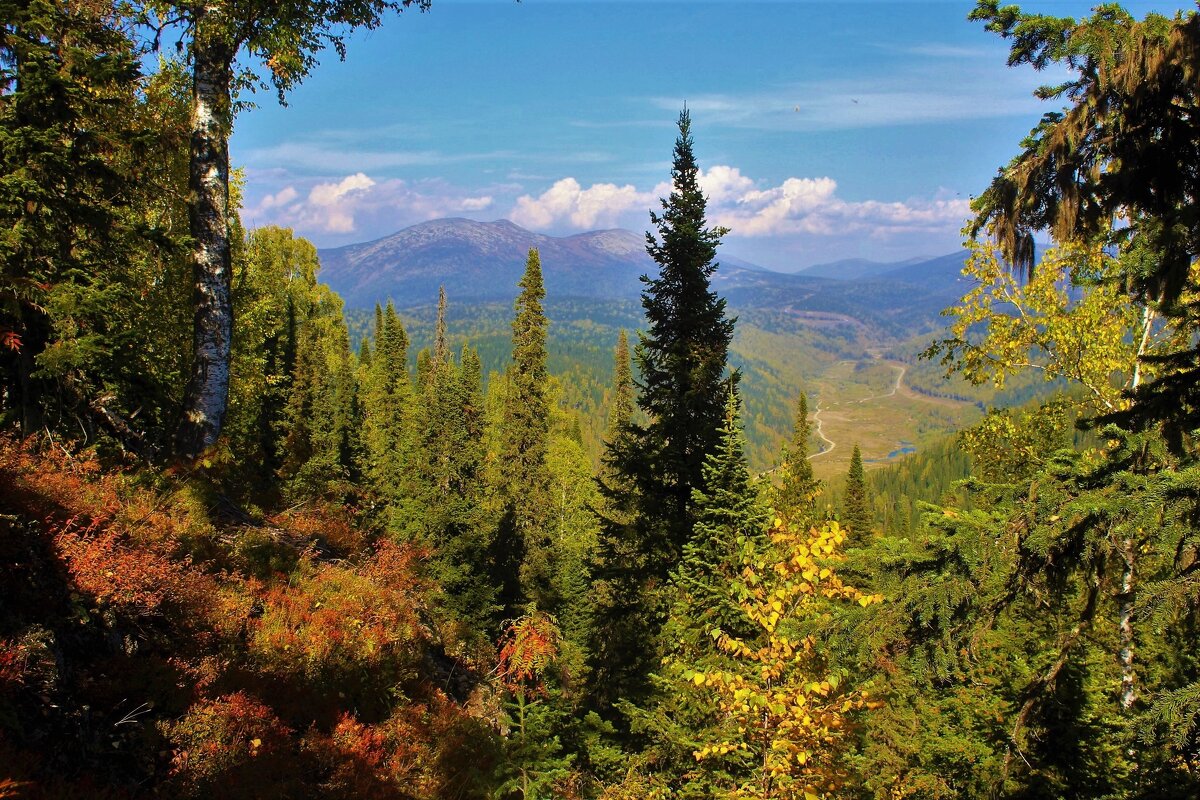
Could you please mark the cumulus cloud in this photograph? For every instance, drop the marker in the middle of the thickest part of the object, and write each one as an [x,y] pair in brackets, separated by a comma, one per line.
[281,198]
[331,206]
[476,203]
[749,208]
[344,206]
[601,204]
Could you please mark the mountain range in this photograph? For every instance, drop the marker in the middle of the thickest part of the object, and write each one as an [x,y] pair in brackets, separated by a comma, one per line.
[483,261]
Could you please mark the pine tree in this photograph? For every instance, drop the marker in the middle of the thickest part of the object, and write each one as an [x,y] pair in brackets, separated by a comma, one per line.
[856,507]
[797,488]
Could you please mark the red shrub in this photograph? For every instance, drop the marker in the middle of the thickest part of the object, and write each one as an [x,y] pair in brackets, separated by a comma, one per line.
[135,579]
[331,620]
[231,746]
[325,524]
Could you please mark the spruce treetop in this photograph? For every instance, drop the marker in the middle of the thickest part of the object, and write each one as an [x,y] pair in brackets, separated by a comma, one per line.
[621,411]
[856,511]
[682,355]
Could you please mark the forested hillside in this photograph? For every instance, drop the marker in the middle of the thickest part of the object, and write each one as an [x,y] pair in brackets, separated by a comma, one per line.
[740,535]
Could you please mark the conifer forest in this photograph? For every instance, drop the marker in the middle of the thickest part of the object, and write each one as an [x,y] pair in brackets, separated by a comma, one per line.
[256,542]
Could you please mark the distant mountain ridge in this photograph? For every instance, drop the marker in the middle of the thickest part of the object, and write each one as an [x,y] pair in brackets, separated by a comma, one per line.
[483,261]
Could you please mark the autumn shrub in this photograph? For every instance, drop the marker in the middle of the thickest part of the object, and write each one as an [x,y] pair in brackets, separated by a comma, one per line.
[231,747]
[344,627]
[430,749]
[326,525]
[136,580]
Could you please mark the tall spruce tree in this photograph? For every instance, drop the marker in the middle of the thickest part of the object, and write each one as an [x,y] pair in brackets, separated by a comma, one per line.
[856,507]
[681,358]
[653,468]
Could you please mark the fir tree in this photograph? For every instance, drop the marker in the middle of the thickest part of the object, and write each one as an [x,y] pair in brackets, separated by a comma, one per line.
[455,514]
[322,442]
[525,438]
[856,507]
[729,519]
[387,407]
[797,488]
[620,411]
[730,532]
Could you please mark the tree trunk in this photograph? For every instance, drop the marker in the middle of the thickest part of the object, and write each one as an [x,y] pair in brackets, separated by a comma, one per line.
[208,386]
[1125,627]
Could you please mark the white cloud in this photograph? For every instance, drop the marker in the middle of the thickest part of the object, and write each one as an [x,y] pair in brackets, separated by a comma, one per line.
[281,198]
[344,206]
[326,194]
[811,206]
[721,183]
[796,206]
[331,206]
[476,203]
[599,205]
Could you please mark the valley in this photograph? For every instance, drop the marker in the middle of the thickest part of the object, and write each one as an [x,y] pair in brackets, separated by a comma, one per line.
[852,344]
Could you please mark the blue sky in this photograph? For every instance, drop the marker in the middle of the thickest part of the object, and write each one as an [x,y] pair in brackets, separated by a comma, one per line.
[825,130]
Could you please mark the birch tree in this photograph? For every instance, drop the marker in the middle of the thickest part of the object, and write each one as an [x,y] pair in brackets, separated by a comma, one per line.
[286,36]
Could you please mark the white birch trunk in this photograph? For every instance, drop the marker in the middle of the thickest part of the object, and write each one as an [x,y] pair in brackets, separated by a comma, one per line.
[208,386]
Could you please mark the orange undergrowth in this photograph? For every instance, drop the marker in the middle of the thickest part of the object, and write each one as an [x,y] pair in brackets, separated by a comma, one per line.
[135,661]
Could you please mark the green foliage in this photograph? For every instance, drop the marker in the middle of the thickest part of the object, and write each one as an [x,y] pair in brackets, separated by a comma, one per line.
[388,409]
[1070,320]
[857,514]
[1113,169]
[705,593]
[681,359]
[92,327]
[797,487]
[525,433]
[535,767]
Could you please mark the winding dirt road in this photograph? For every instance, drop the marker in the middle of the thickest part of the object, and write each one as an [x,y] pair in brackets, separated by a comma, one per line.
[901,369]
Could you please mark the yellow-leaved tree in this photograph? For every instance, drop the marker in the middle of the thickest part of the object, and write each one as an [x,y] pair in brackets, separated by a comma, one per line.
[1071,319]
[792,708]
